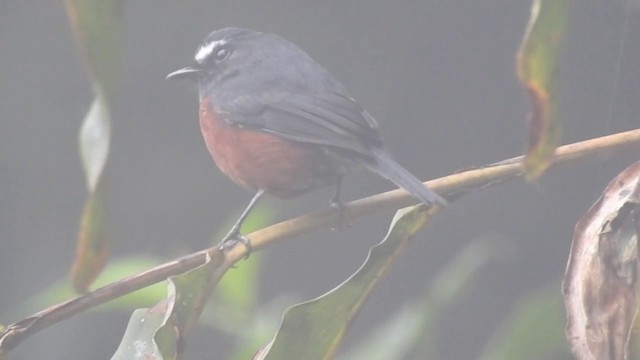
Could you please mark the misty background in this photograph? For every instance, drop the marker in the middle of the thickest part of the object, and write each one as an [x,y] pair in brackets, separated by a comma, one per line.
[437,75]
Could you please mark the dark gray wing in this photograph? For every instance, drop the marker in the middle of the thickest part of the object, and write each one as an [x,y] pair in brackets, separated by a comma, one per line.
[328,119]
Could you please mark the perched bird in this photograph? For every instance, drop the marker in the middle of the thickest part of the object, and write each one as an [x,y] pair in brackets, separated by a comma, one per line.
[275,121]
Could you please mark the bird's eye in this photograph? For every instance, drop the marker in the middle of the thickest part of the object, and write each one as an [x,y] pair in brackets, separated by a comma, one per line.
[221,54]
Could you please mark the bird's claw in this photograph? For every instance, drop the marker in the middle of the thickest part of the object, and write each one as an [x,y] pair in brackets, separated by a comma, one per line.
[232,239]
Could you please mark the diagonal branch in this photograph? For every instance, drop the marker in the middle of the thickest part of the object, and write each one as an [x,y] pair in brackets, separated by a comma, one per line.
[454,186]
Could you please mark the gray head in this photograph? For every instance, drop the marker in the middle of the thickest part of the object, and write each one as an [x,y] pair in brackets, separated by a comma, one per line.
[236,59]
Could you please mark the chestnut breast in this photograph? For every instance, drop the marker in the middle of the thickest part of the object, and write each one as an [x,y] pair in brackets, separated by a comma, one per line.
[259,160]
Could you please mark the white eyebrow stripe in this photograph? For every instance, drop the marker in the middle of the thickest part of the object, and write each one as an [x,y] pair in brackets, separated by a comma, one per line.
[206,50]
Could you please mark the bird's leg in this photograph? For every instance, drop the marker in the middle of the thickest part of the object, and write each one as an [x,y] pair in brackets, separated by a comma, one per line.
[338,205]
[234,235]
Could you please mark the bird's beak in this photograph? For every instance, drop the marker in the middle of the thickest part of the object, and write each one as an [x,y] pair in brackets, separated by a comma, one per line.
[190,73]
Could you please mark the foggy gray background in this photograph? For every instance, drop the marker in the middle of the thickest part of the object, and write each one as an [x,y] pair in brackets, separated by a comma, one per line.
[437,75]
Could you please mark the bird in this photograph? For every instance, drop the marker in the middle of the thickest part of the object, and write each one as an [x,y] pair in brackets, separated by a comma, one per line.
[277,122]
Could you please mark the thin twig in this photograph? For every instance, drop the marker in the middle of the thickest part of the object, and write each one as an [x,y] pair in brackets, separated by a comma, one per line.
[453,186]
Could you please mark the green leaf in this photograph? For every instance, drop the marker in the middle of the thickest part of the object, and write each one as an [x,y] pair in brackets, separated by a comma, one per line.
[413,329]
[94,138]
[187,294]
[138,342]
[97,26]
[537,62]
[315,329]
[92,248]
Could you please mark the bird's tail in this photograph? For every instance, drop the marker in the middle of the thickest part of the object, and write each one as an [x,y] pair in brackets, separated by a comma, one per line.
[388,168]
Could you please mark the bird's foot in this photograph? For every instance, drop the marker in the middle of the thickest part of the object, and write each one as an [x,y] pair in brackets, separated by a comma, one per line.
[232,239]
